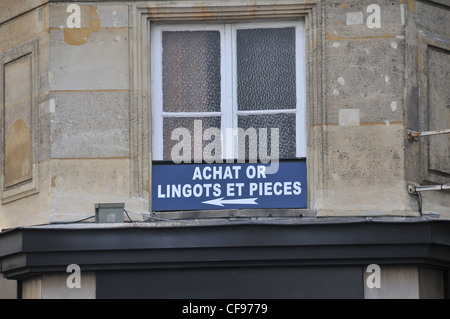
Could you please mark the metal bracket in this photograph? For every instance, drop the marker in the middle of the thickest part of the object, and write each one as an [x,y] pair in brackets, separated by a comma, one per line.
[415,189]
[413,135]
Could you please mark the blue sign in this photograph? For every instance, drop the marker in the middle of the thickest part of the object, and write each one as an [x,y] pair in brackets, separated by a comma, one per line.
[228,186]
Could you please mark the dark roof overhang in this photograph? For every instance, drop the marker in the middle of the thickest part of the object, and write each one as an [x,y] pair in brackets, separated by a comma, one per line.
[35,250]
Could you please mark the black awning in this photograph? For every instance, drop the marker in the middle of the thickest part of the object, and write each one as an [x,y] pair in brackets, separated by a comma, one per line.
[35,250]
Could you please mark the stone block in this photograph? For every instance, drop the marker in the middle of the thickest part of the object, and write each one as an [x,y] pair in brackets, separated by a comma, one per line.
[94,60]
[90,124]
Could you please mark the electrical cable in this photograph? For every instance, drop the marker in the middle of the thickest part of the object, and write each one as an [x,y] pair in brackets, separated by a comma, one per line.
[128,215]
[126,212]
[151,217]
[159,218]
[73,222]
[420,203]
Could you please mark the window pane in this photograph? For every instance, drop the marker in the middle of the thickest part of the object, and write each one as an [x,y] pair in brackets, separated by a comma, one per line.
[184,124]
[191,71]
[286,132]
[266,69]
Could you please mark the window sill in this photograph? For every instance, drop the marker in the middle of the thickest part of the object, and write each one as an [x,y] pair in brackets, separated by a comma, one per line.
[236,213]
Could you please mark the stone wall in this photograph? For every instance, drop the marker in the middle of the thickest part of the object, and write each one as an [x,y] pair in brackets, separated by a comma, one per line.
[375,68]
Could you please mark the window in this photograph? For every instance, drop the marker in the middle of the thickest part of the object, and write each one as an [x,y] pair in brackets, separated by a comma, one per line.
[232,78]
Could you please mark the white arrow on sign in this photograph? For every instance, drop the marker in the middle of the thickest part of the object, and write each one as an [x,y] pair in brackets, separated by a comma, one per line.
[222,201]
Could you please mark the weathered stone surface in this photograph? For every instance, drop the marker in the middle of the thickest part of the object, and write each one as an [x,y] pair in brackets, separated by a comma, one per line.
[371,79]
[90,124]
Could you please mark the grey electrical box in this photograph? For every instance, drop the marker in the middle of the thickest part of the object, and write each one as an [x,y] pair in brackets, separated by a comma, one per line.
[109,212]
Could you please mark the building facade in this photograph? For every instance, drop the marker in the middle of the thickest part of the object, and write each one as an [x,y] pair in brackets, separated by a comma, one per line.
[225,149]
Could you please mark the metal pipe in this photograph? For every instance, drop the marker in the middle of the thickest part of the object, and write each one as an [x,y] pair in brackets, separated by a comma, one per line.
[414,189]
[413,135]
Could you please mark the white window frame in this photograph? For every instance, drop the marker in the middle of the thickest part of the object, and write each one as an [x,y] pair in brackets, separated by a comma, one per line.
[228,83]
